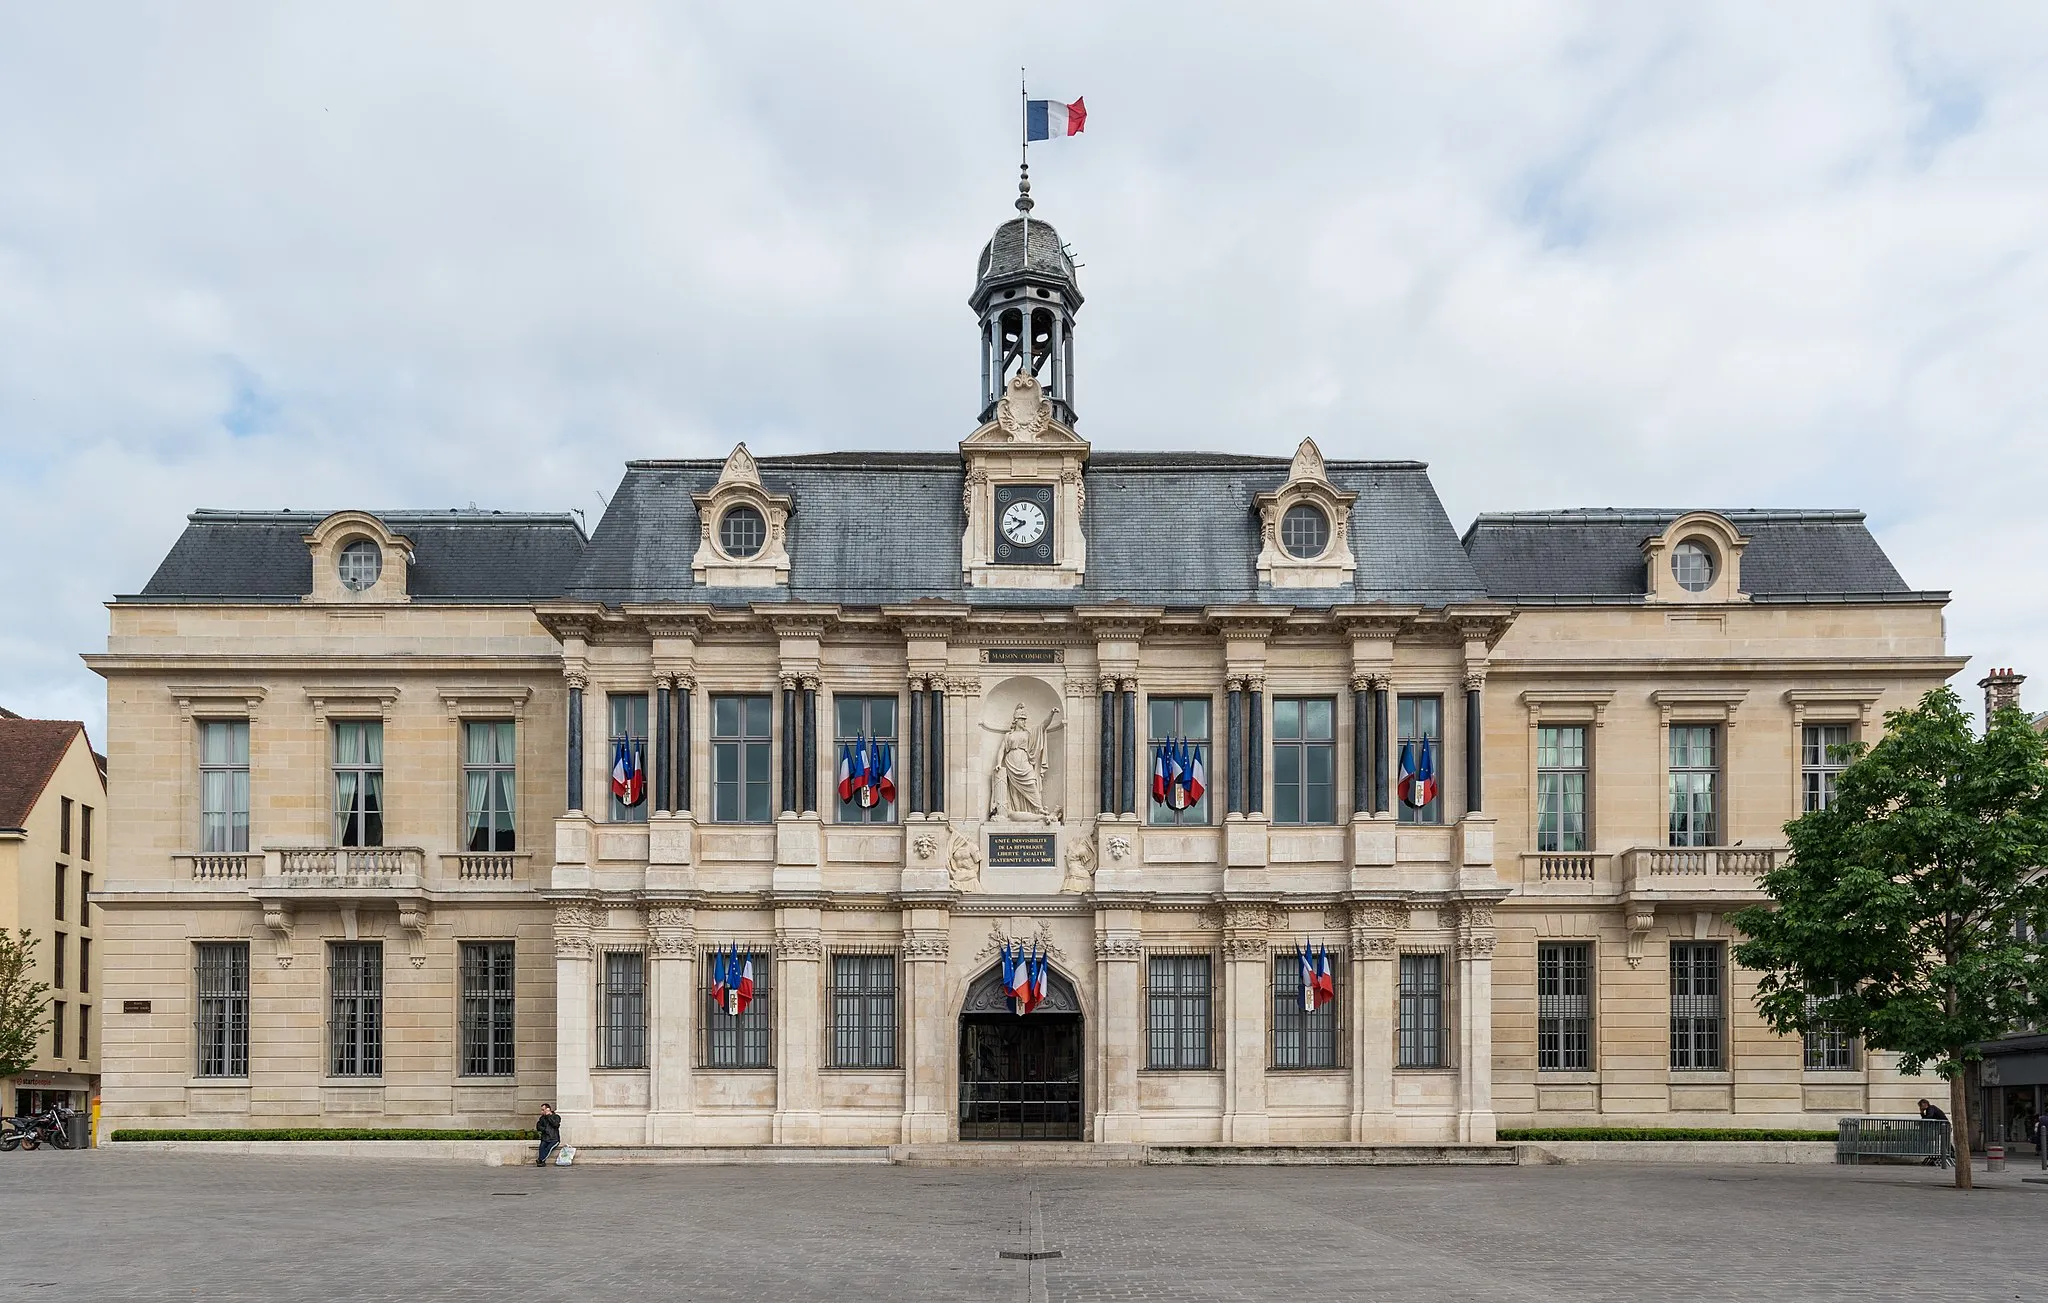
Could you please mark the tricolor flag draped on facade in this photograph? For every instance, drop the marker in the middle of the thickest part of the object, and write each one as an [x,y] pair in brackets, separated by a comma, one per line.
[1418,775]
[629,776]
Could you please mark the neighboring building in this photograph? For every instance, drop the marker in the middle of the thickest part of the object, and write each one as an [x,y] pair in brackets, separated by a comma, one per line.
[429,818]
[2012,1077]
[53,806]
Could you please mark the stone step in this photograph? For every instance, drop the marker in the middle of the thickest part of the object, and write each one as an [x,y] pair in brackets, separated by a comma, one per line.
[1018,1153]
[1367,1155]
[1058,1153]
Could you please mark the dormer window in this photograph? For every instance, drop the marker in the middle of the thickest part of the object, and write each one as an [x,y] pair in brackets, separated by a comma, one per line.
[742,531]
[1692,564]
[359,564]
[1305,532]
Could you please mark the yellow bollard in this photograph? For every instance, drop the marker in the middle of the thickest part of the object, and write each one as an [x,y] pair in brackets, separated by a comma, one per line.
[92,1141]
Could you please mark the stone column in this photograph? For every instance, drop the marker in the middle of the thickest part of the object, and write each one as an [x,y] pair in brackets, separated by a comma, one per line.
[799,1040]
[685,698]
[1475,738]
[927,1028]
[1373,947]
[789,744]
[1475,1022]
[914,748]
[936,726]
[575,1003]
[672,1022]
[577,683]
[1233,756]
[1106,783]
[1127,783]
[1121,1037]
[663,742]
[1255,744]
[1381,802]
[1361,746]
[1247,999]
[810,745]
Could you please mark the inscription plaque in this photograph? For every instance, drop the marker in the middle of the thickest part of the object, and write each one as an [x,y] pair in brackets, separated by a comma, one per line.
[1020,850]
[1021,656]
[134,1006]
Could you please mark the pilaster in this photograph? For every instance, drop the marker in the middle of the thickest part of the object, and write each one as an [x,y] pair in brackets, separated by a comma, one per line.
[1120,1042]
[799,1003]
[1475,1022]
[575,1004]
[928,1029]
[672,1022]
[1246,998]
[1374,927]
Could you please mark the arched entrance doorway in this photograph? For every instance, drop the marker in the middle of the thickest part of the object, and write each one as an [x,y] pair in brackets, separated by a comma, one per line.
[1020,1077]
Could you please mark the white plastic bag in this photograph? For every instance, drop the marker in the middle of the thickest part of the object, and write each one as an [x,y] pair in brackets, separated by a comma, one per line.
[565,1155]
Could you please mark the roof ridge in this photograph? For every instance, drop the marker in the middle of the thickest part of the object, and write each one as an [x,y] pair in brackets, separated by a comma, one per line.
[21,789]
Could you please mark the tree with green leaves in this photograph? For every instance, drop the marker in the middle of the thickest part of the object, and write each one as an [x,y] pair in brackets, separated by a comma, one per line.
[1911,911]
[24,1003]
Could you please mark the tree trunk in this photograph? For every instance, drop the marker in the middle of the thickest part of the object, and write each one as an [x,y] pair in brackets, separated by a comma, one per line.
[1959,1119]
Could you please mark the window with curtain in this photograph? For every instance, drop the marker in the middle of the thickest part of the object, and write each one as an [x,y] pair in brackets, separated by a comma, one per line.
[1418,718]
[1823,756]
[358,783]
[1173,720]
[873,719]
[224,785]
[1177,1012]
[1304,760]
[863,1011]
[1422,1012]
[628,730]
[1561,788]
[1695,778]
[742,758]
[489,775]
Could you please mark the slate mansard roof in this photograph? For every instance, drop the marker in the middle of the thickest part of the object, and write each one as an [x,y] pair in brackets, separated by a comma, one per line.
[1176,530]
[1596,555]
[458,556]
[1162,530]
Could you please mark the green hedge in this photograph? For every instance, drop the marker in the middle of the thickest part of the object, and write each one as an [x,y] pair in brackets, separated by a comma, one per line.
[318,1133]
[1659,1133]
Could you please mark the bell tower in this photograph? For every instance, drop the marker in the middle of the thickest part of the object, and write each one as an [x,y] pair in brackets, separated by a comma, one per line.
[1026,296]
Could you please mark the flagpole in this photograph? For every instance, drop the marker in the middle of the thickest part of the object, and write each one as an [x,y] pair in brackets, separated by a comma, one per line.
[1023,178]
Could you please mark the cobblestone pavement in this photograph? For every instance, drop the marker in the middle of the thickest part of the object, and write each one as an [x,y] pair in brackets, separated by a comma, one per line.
[112,1226]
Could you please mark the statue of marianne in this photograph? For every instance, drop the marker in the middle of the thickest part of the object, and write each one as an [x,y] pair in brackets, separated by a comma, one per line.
[1016,782]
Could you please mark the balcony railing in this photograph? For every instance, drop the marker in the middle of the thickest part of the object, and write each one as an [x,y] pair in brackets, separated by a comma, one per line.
[348,861]
[1563,867]
[1704,862]
[485,866]
[218,866]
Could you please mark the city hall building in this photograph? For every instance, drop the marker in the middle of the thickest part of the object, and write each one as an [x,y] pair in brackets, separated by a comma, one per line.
[427,818]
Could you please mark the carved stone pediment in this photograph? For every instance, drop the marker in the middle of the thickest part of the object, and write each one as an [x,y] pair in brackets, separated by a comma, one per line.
[732,557]
[1284,562]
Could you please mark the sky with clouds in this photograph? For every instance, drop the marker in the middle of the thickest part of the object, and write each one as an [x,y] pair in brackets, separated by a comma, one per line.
[403,255]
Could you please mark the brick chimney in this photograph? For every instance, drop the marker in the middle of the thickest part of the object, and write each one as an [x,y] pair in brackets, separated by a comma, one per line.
[2001,690]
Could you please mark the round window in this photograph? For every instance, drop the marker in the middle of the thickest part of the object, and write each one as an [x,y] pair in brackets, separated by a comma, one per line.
[1304,531]
[361,562]
[742,531]
[1692,563]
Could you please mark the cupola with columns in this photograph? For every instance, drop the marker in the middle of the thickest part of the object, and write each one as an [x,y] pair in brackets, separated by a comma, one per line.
[1026,296]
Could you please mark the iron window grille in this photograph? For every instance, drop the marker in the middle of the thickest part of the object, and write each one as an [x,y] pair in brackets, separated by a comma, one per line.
[1564,1007]
[1823,756]
[1697,1014]
[1561,788]
[623,1040]
[1177,719]
[224,785]
[1421,1012]
[1828,1047]
[628,728]
[863,1010]
[489,785]
[1416,719]
[358,783]
[742,758]
[1695,780]
[1302,1039]
[1177,1012]
[1304,760]
[745,1040]
[355,1026]
[873,718]
[487,1009]
[221,985]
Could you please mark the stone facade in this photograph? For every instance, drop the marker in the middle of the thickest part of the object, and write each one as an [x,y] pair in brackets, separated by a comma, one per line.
[1004,633]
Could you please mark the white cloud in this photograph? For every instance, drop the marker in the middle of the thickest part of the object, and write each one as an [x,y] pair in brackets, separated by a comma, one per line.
[1572,254]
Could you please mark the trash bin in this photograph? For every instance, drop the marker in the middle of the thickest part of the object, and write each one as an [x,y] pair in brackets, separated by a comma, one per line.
[79,1128]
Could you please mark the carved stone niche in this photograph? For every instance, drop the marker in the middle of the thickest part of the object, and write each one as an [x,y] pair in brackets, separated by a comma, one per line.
[723,558]
[1025,448]
[376,560]
[1023,765]
[1308,487]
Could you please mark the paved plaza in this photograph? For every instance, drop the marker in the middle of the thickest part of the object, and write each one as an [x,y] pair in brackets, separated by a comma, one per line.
[178,1226]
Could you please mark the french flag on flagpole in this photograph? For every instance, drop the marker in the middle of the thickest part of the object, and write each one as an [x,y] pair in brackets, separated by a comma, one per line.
[885,773]
[1047,119]
[1159,773]
[718,978]
[743,994]
[1019,975]
[1308,979]
[1326,981]
[1198,777]
[845,772]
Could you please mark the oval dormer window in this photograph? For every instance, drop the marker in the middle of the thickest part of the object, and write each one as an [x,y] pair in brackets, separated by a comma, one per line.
[741,531]
[360,563]
[1692,564]
[1305,532]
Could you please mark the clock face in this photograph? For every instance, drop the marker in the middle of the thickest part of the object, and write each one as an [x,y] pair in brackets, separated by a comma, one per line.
[1024,523]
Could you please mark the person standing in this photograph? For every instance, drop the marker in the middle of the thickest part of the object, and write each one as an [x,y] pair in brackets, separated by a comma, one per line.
[549,1129]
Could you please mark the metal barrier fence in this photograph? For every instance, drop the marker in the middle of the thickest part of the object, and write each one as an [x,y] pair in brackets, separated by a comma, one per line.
[1894,1140]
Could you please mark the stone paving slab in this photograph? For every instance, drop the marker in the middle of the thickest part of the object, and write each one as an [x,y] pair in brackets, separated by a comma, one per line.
[113,1225]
